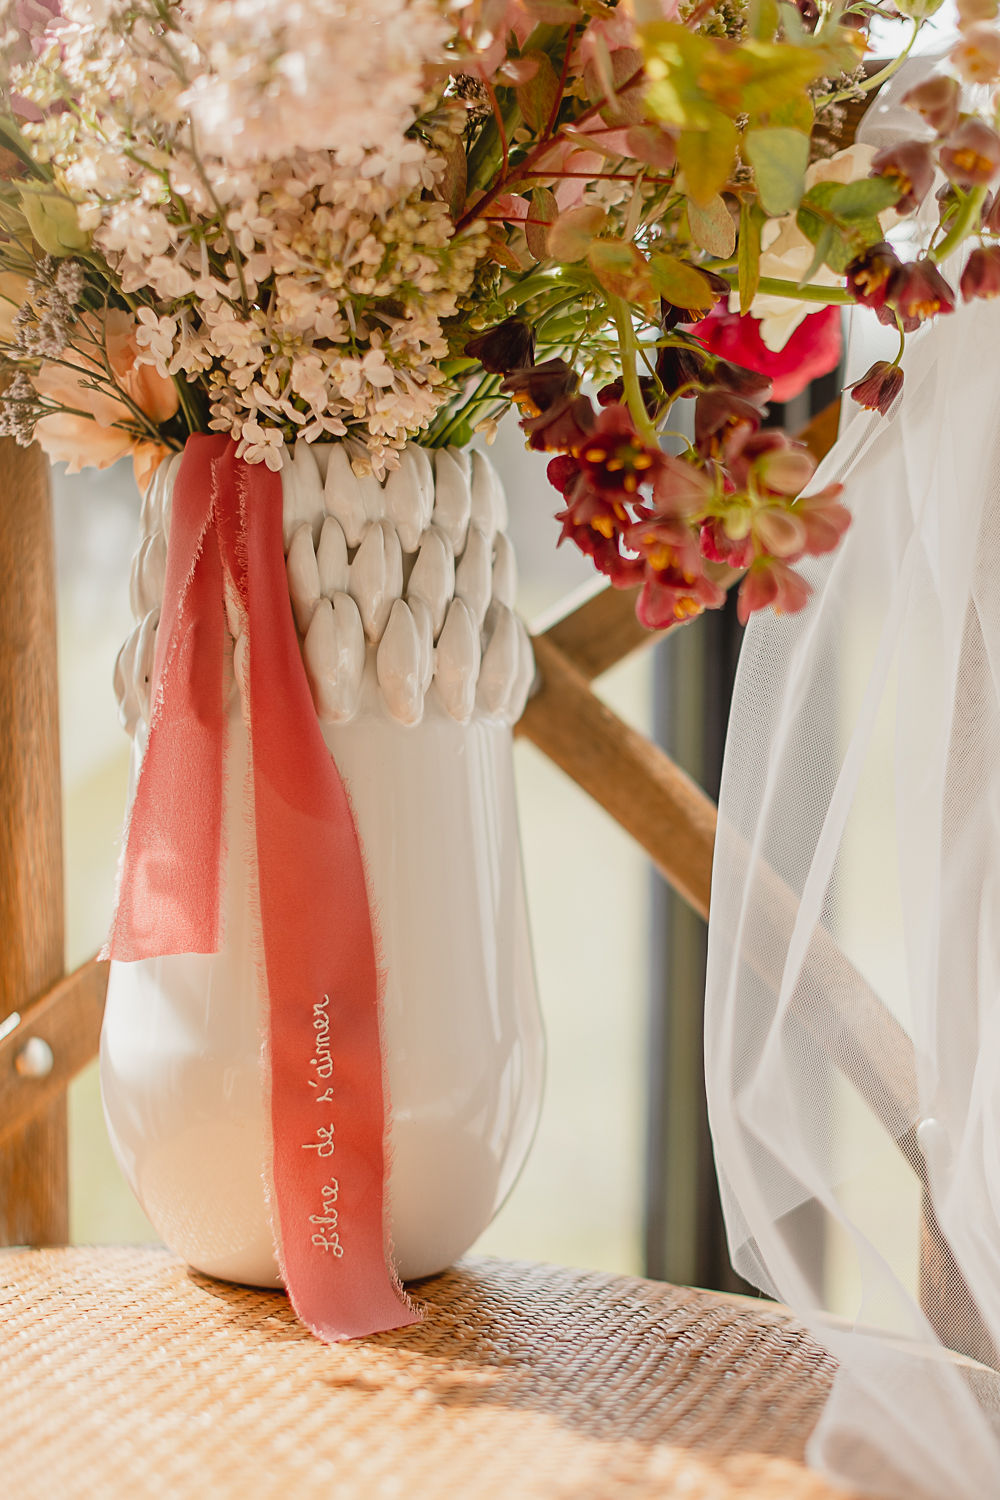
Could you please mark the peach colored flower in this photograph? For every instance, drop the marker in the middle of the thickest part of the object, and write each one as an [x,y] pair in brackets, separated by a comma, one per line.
[99,427]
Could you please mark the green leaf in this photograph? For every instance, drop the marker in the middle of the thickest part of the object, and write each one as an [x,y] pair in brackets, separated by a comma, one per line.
[679,283]
[748,262]
[762,20]
[796,113]
[853,200]
[571,235]
[622,271]
[711,227]
[841,217]
[543,211]
[706,158]
[779,159]
[52,219]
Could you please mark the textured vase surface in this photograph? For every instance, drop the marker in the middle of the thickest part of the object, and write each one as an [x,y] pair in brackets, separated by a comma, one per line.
[402,595]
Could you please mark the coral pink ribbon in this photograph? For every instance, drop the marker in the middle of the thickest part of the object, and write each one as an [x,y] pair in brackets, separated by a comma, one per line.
[323,1042]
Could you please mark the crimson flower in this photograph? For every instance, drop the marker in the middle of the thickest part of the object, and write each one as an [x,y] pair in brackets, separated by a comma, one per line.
[721,417]
[535,388]
[560,427]
[936,101]
[813,350]
[770,581]
[981,276]
[970,157]
[910,168]
[669,596]
[878,389]
[918,290]
[868,274]
[613,457]
[509,346]
[727,538]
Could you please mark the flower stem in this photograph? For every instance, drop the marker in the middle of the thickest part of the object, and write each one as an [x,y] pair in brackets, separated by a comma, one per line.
[628,349]
[967,213]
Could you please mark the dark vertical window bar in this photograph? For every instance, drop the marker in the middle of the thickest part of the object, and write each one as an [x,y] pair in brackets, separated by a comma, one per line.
[683,1232]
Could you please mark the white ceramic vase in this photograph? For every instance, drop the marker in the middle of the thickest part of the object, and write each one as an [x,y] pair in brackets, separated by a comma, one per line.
[402,596]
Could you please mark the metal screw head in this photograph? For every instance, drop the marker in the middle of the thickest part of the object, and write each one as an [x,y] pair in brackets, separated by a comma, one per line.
[35,1059]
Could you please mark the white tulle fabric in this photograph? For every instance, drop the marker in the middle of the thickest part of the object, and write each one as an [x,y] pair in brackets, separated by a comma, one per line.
[853,1007]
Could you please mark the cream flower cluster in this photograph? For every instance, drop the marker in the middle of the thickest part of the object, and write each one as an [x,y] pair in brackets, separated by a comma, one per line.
[246,170]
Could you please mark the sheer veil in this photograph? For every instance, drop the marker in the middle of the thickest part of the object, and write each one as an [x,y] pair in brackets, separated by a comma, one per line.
[853,1006]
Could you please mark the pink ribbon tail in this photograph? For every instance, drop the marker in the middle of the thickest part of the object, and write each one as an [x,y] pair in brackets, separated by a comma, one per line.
[323,1044]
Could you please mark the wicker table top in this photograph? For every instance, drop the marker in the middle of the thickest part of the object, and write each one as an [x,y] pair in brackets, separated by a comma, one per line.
[122,1374]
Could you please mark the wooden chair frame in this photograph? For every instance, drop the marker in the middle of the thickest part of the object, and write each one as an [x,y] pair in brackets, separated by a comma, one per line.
[633,779]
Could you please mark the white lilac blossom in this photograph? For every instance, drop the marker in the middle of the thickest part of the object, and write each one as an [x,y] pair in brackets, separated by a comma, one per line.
[250,174]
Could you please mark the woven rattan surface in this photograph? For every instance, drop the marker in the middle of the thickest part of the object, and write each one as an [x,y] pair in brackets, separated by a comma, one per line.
[122,1374]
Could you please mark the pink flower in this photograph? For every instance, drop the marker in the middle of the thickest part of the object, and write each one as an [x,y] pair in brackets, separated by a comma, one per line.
[770,581]
[813,349]
[99,427]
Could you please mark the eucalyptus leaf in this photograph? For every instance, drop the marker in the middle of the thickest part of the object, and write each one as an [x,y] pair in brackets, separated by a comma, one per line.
[543,211]
[573,232]
[779,159]
[681,284]
[711,227]
[706,158]
[622,271]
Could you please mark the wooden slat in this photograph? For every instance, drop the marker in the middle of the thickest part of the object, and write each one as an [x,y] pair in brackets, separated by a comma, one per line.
[68,1019]
[601,632]
[33,1165]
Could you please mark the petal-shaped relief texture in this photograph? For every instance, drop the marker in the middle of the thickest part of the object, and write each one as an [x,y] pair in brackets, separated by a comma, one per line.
[377,577]
[433,575]
[474,574]
[408,496]
[452,499]
[331,557]
[334,655]
[303,576]
[399,665]
[302,492]
[457,658]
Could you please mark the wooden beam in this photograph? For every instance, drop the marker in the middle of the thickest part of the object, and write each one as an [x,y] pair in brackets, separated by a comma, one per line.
[66,1020]
[33,1163]
[630,777]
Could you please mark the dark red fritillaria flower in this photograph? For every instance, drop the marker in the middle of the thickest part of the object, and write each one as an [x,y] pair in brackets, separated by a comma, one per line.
[936,101]
[824,518]
[771,581]
[989,215]
[509,346]
[981,276]
[535,388]
[970,157]
[770,462]
[868,274]
[614,457]
[719,545]
[892,319]
[813,350]
[681,488]
[605,553]
[918,290]
[720,416]
[878,389]
[668,597]
[561,427]
[910,168]
[679,365]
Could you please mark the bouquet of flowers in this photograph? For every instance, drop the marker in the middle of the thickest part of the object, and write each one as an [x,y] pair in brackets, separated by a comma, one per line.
[388,220]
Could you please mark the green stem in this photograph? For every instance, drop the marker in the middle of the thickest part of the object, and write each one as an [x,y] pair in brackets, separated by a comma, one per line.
[967,214]
[877,79]
[628,348]
[770,286]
